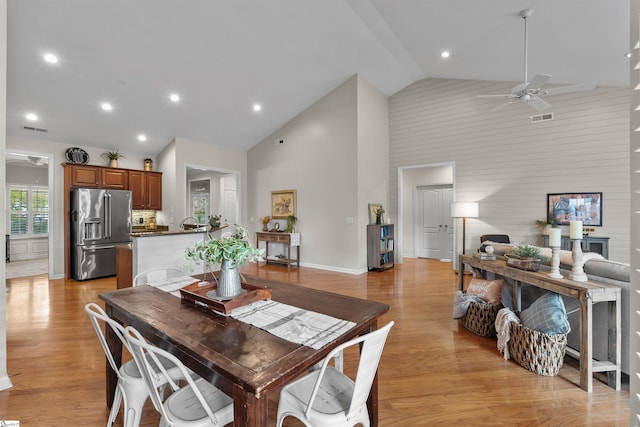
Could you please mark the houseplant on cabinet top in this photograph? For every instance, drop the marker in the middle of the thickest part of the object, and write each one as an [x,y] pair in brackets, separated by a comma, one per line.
[544,224]
[230,251]
[113,156]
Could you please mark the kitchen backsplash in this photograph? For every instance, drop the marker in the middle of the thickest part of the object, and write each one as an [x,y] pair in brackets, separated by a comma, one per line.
[142,217]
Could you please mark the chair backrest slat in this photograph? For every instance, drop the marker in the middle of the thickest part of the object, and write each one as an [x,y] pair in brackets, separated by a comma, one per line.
[370,353]
[143,353]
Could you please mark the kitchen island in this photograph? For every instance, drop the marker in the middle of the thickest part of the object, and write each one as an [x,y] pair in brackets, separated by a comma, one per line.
[158,249]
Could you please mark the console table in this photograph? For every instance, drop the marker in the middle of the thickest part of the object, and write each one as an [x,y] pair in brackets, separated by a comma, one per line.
[587,293]
[598,245]
[289,240]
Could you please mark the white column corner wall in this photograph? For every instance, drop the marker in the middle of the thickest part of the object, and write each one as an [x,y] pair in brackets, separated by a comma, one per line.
[5,382]
[634,195]
[372,160]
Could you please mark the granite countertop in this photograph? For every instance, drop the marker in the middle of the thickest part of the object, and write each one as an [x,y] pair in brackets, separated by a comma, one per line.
[159,232]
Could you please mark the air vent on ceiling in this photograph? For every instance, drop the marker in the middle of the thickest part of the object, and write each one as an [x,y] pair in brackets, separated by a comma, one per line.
[541,117]
[34,129]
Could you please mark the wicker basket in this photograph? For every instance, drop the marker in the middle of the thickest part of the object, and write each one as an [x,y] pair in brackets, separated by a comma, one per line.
[537,351]
[481,319]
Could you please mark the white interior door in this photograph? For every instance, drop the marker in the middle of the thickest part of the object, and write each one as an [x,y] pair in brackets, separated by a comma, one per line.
[230,213]
[433,227]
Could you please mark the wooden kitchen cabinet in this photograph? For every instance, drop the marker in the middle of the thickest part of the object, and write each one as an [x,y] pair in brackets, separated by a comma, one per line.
[146,189]
[83,176]
[117,179]
[154,190]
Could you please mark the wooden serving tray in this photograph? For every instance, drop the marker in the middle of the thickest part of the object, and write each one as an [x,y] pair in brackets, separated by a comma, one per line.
[198,294]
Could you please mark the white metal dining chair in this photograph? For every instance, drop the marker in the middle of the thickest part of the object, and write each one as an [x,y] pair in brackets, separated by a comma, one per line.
[160,275]
[166,279]
[131,387]
[327,397]
[197,404]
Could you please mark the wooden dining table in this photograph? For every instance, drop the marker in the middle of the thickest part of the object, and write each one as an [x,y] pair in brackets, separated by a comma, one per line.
[244,361]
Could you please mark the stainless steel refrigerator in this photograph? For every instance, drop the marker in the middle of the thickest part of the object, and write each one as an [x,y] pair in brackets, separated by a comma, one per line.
[100,219]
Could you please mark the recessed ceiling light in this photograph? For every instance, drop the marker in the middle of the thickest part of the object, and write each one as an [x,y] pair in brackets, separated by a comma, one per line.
[50,58]
[32,117]
[627,55]
[142,138]
[445,54]
[106,106]
[257,107]
[174,97]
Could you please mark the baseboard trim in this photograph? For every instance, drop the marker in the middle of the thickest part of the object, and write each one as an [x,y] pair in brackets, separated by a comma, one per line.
[5,383]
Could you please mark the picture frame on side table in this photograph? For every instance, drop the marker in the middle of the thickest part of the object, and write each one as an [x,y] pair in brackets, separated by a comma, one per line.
[283,204]
[373,207]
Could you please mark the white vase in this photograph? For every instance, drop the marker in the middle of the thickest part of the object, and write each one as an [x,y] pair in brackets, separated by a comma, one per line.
[229,284]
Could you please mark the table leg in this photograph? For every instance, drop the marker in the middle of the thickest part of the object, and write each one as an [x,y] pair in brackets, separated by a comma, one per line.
[615,343]
[372,402]
[516,295]
[586,343]
[248,410]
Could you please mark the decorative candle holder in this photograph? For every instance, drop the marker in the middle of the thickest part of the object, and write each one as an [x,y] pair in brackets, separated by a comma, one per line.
[577,273]
[555,263]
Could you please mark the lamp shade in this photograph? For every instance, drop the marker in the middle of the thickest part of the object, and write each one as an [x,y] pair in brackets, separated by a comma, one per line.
[464,210]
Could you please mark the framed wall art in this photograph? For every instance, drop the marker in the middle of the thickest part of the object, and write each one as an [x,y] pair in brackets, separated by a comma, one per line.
[283,204]
[566,207]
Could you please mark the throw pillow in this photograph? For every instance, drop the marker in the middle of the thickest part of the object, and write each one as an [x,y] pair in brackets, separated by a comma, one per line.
[489,290]
[547,314]
[461,303]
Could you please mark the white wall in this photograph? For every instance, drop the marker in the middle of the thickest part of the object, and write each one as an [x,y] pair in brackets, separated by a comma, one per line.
[5,382]
[634,195]
[508,164]
[182,153]
[372,157]
[320,159]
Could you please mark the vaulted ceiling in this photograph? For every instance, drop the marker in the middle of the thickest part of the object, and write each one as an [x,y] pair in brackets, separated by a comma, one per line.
[222,57]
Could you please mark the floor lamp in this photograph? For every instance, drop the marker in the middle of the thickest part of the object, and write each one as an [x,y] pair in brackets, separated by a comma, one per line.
[464,210]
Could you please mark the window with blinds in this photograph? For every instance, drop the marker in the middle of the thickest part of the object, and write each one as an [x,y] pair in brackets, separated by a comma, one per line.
[28,210]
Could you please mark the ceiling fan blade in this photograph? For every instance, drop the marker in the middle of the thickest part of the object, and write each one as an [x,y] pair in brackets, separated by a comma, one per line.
[507,95]
[516,90]
[568,89]
[537,81]
[538,103]
[504,104]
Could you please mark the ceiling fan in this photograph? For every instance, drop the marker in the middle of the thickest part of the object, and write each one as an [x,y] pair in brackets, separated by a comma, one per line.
[531,92]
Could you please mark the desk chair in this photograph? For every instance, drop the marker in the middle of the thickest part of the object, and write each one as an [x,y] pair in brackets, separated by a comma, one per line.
[327,397]
[498,238]
[197,404]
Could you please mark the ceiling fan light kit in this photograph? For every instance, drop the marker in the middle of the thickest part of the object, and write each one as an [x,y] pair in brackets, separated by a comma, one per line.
[531,92]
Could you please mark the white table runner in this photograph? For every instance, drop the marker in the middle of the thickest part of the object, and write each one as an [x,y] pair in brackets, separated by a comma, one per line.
[172,285]
[293,324]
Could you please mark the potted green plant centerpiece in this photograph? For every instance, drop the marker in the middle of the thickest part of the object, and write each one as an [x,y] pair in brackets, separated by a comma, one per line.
[230,251]
[113,156]
[526,257]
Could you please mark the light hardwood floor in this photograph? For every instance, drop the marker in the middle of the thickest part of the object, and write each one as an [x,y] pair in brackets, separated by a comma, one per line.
[432,372]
